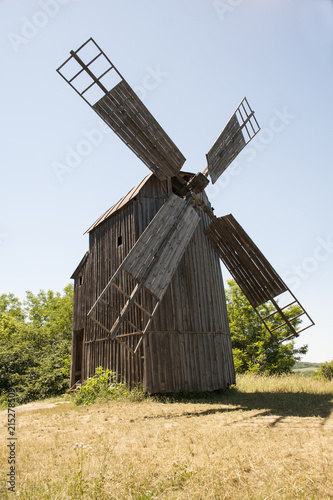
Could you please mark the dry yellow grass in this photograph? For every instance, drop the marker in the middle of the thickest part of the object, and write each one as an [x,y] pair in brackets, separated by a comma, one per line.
[267,439]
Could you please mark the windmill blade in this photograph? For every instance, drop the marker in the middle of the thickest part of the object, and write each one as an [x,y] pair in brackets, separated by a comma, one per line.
[152,261]
[255,276]
[93,76]
[239,131]
[245,262]
[156,255]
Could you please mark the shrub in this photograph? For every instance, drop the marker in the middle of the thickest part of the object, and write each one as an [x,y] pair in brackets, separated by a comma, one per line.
[325,371]
[104,386]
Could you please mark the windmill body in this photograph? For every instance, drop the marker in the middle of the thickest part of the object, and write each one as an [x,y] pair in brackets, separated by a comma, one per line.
[187,345]
[149,300]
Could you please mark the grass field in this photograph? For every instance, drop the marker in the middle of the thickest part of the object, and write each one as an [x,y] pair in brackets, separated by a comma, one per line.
[269,438]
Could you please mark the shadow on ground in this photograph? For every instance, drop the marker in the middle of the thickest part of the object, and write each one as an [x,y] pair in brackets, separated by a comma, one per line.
[286,404]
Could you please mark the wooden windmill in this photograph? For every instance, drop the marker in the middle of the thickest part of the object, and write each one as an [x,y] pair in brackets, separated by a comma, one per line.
[149,298]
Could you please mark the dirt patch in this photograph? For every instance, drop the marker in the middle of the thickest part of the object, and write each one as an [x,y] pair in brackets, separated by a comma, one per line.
[35,405]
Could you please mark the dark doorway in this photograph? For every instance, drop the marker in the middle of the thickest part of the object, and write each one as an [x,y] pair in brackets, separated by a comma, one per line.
[78,354]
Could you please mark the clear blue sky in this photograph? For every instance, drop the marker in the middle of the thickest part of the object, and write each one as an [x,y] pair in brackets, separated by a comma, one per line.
[191,61]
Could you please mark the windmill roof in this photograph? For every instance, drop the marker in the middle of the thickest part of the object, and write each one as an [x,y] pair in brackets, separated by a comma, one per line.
[120,204]
[79,267]
[125,200]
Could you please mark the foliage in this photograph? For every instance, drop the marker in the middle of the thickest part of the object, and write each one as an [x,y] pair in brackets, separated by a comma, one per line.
[253,348]
[325,371]
[35,339]
[104,386]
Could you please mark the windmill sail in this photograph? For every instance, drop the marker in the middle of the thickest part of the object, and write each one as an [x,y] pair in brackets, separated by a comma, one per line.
[238,132]
[152,262]
[93,76]
[247,265]
[255,276]
[156,255]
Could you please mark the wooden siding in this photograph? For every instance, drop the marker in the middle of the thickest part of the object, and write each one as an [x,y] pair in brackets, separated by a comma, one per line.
[188,361]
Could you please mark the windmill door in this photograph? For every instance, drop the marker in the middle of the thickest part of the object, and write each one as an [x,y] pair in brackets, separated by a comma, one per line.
[78,354]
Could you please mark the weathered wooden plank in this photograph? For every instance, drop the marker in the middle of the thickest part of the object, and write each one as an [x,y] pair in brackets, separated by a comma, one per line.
[220,360]
[213,372]
[182,356]
[178,367]
[162,353]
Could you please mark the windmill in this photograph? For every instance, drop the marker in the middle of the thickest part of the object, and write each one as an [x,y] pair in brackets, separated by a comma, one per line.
[119,292]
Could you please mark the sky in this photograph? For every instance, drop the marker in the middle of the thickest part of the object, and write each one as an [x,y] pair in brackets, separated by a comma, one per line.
[191,62]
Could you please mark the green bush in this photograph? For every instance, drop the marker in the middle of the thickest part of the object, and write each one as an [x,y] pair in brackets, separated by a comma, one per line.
[104,386]
[325,371]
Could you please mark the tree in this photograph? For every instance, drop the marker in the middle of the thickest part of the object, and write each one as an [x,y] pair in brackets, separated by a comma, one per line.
[35,339]
[253,347]
[325,371]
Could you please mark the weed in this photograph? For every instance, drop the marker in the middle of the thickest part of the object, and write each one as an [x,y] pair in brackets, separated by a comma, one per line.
[82,453]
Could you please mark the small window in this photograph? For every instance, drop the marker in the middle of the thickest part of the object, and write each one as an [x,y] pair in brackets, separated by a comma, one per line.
[120,240]
[80,280]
